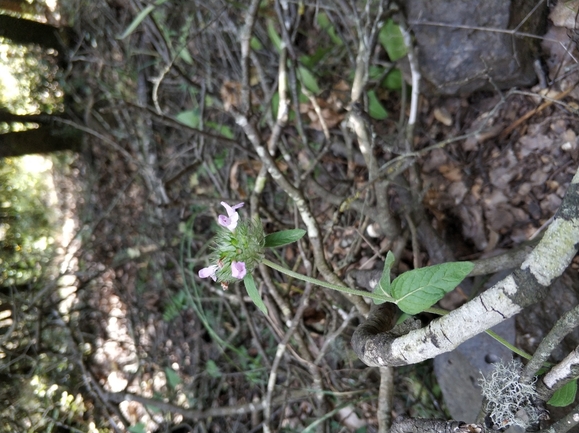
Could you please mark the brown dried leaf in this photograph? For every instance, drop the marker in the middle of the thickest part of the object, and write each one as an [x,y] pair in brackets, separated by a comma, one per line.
[529,145]
[499,218]
[450,172]
[434,160]
[230,94]
[457,191]
[471,215]
[564,14]
[443,116]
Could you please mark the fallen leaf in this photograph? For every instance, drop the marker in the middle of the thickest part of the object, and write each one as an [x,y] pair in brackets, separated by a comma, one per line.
[443,116]
[434,160]
[471,216]
[450,172]
[457,190]
[564,14]
[529,145]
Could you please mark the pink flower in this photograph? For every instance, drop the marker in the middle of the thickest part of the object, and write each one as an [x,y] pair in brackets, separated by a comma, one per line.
[229,221]
[209,272]
[238,270]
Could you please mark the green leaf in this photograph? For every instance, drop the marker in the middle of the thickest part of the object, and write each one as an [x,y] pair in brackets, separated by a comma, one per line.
[375,72]
[138,428]
[383,287]
[173,378]
[212,369]
[392,40]
[375,108]
[221,129]
[325,24]
[393,80]
[274,104]
[189,118]
[139,18]
[419,289]
[284,237]
[311,61]
[255,44]
[564,396]
[192,119]
[272,33]
[186,56]
[308,79]
[253,293]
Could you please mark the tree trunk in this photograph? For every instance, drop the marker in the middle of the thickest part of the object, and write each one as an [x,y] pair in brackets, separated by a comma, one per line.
[43,140]
[24,32]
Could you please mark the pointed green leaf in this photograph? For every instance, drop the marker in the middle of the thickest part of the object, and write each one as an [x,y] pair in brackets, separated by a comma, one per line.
[308,80]
[272,33]
[383,287]
[275,104]
[135,23]
[392,40]
[253,293]
[419,289]
[284,237]
[189,118]
[325,23]
[375,108]
[173,378]
[564,396]
[139,18]
[186,56]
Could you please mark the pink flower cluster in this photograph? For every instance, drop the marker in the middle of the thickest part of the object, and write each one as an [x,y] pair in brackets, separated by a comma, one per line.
[238,269]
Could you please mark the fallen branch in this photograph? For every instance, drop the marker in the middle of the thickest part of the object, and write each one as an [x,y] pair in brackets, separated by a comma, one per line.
[376,346]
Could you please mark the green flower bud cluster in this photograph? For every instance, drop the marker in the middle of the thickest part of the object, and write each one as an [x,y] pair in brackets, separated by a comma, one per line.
[245,244]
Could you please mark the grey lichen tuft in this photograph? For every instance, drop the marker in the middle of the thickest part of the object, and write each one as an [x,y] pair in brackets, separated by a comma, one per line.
[510,402]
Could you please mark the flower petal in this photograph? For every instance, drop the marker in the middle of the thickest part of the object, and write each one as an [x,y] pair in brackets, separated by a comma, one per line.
[238,270]
[209,272]
[229,221]
[224,221]
[231,209]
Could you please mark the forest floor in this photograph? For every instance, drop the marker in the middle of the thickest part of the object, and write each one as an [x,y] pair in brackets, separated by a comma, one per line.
[163,348]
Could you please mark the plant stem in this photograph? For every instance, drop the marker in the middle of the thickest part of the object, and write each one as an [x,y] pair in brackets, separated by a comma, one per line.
[382,298]
[321,283]
[508,345]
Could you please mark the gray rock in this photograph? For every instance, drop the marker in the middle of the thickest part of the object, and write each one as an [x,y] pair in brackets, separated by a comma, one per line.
[455,58]
[459,371]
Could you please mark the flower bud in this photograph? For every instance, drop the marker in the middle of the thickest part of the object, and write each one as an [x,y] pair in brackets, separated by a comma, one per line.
[238,247]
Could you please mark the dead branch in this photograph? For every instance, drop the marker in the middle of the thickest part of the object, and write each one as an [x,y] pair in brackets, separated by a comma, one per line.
[525,286]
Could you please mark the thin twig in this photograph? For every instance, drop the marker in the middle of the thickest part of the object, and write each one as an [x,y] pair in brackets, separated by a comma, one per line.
[281,348]
[385,397]
[566,324]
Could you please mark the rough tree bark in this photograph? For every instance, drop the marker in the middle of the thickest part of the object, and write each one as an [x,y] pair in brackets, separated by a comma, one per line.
[412,425]
[377,346]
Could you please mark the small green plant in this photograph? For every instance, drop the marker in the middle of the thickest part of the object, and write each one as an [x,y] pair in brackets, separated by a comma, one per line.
[176,304]
[240,245]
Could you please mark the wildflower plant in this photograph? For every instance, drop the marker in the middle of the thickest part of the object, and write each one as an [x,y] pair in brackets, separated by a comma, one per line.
[239,247]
